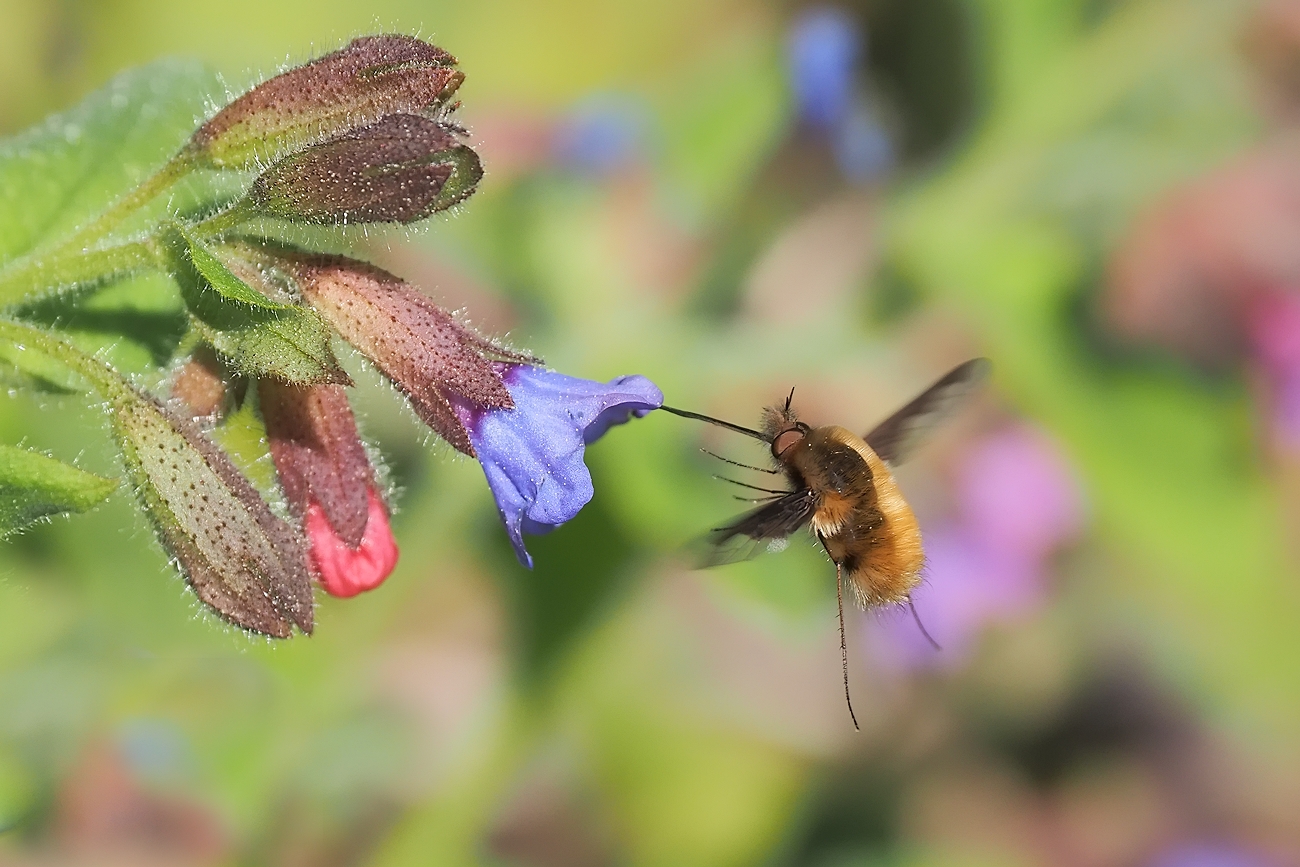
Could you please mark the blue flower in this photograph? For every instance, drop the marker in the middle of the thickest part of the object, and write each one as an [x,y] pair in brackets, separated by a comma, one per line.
[532,453]
[824,50]
[602,136]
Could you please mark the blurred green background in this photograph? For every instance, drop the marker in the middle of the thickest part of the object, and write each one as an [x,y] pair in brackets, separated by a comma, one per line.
[734,198]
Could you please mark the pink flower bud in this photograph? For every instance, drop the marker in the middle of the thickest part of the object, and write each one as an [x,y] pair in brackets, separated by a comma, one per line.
[366,80]
[329,483]
[399,170]
[346,570]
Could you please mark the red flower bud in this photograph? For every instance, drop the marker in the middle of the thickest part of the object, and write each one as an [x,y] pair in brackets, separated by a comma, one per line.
[366,80]
[346,570]
[329,483]
[399,170]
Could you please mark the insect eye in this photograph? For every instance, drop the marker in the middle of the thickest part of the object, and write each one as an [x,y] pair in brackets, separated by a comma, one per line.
[788,438]
[802,428]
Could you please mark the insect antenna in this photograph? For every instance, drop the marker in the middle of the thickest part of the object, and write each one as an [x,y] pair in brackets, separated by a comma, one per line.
[767,470]
[921,626]
[788,400]
[684,413]
[751,487]
[766,499]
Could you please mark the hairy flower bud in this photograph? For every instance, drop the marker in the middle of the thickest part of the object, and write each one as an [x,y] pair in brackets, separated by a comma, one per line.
[419,346]
[366,80]
[200,384]
[329,483]
[241,560]
[317,452]
[399,170]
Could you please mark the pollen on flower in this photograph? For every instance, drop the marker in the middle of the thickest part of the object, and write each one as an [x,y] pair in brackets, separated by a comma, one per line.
[344,571]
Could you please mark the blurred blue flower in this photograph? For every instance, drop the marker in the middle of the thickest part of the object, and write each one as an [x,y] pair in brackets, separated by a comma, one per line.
[824,53]
[532,454]
[1017,501]
[602,135]
[154,748]
[824,49]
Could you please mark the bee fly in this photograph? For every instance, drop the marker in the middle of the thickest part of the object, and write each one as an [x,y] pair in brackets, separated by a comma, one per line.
[841,486]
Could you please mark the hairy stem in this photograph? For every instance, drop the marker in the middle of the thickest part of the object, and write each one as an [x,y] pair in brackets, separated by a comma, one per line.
[176,168]
[101,376]
[220,223]
[65,268]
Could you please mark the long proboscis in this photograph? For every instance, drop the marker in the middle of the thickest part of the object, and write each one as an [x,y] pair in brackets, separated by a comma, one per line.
[685,413]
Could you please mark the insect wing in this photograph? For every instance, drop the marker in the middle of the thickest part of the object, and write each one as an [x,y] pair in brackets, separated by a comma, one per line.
[895,438]
[754,532]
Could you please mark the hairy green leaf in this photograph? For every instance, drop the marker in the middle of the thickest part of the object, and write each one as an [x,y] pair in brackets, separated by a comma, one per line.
[33,486]
[56,176]
[259,336]
[220,278]
[293,345]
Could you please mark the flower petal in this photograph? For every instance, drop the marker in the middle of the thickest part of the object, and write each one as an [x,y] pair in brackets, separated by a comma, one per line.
[532,454]
[345,571]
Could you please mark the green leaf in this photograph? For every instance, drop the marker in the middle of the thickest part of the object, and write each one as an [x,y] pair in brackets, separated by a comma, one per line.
[22,367]
[56,176]
[259,336]
[219,277]
[293,345]
[33,486]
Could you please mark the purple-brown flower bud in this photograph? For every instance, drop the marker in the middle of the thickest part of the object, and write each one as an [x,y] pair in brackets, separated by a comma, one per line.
[416,344]
[241,560]
[329,483]
[399,170]
[202,385]
[366,80]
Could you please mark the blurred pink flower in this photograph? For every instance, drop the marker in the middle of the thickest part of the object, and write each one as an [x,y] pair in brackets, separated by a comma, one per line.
[1194,265]
[1017,501]
[1016,492]
[1212,273]
[1274,331]
[1209,855]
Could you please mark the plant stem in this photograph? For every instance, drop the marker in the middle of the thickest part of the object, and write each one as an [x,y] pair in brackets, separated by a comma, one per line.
[102,377]
[72,262]
[176,168]
[218,224]
[60,269]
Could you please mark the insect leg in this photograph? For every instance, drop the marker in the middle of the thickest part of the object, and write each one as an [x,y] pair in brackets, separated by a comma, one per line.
[921,626]
[767,470]
[751,487]
[844,645]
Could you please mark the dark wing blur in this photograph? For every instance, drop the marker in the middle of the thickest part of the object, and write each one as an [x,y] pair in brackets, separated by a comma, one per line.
[752,533]
[895,438]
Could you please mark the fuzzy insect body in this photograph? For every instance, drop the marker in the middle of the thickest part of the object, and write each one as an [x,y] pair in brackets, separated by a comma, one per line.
[859,514]
[841,487]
